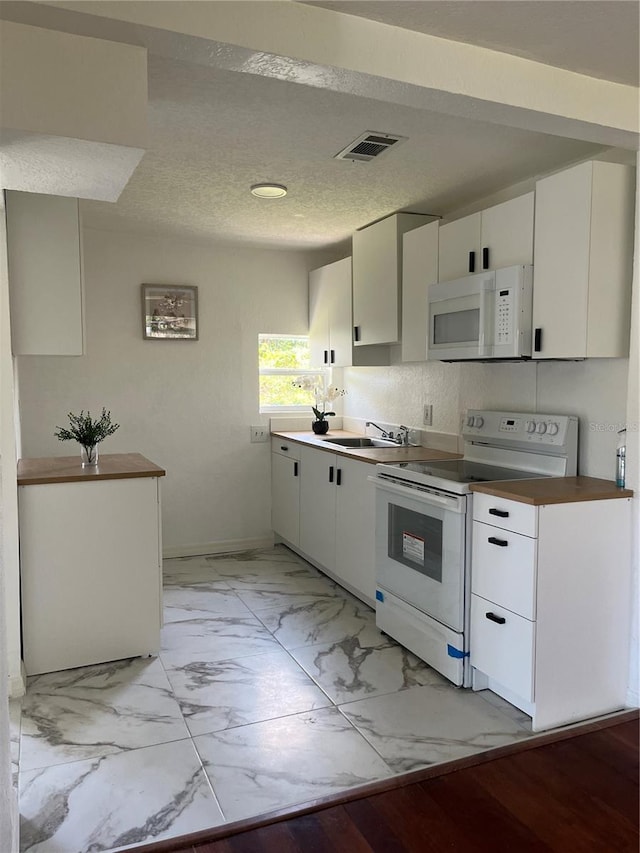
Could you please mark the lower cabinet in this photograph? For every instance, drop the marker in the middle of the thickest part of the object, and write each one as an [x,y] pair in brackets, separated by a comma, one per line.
[337,519]
[550,616]
[285,490]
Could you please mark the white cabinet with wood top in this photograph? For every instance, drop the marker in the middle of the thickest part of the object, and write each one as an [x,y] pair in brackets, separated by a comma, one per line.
[285,489]
[44,250]
[584,221]
[377,279]
[499,236]
[550,605]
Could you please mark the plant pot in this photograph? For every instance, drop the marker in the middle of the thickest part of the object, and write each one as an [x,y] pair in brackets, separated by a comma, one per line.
[320,427]
[89,456]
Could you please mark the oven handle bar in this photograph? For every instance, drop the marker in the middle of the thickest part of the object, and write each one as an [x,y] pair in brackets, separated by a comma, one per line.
[420,493]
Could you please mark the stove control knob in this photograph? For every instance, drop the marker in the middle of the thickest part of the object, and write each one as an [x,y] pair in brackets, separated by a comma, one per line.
[530,426]
[478,421]
[470,421]
[552,429]
[541,428]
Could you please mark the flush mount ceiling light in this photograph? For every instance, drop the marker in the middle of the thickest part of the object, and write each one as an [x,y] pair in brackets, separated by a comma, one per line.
[269,190]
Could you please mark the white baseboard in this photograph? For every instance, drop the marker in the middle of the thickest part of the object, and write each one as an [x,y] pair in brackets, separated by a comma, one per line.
[225,546]
[18,683]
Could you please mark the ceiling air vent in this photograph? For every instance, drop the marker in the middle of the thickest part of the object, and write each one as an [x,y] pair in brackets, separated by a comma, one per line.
[371,144]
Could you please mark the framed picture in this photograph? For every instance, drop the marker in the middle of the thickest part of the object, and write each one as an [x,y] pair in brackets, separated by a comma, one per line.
[169,312]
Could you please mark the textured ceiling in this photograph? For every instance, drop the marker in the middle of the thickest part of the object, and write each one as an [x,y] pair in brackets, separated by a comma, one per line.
[594,37]
[214,132]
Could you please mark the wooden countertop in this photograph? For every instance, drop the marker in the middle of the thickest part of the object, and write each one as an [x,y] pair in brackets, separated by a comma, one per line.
[374,455]
[68,469]
[553,490]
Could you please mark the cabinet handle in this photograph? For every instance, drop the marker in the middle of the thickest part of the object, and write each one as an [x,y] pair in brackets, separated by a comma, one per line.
[485,258]
[331,473]
[472,261]
[493,618]
[501,513]
[537,340]
[295,469]
[284,447]
[501,542]
[326,357]
[339,477]
[356,333]
[333,356]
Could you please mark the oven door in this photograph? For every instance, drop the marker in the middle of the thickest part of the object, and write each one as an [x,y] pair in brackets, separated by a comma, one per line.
[420,549]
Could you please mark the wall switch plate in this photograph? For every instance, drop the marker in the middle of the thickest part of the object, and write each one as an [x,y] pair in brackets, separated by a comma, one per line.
[259,433]
[427,414]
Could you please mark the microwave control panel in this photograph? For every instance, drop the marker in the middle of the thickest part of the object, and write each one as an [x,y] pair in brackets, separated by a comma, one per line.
[504,323]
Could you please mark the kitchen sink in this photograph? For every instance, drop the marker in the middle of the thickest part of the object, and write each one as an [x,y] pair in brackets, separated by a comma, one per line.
[361,442]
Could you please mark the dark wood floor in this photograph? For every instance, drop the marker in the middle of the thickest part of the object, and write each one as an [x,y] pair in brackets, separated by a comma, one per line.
[571,793]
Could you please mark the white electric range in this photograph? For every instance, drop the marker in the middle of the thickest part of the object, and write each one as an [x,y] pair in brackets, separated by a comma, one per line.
[423,528]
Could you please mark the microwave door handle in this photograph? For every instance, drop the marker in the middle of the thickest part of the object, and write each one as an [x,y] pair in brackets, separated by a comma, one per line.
[487,302]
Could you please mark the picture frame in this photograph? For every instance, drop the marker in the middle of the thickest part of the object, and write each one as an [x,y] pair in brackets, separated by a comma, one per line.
[169,312]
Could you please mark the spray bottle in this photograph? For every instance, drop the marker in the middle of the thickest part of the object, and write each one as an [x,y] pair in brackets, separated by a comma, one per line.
[621,454]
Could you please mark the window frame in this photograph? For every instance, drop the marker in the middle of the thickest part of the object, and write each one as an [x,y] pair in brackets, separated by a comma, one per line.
[293,409]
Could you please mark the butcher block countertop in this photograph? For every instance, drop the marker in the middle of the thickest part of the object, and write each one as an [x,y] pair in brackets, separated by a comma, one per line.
[553,490]
[68,469]
[367,454]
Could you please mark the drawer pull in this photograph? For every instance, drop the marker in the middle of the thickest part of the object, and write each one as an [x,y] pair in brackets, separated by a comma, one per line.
[331,473]
[501,513]
[493,618]
[495,541]
[295,469]
[284,447]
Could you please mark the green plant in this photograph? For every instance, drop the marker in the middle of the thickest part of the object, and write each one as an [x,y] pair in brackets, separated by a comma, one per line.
[85,430]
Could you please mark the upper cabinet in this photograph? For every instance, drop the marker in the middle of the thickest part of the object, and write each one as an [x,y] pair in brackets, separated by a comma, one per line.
[44,248]
[500,236]
[330,314]
[419,270]
[377,278]
[582,268]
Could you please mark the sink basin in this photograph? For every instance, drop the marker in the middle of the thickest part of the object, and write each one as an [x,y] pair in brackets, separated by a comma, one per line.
[360,442]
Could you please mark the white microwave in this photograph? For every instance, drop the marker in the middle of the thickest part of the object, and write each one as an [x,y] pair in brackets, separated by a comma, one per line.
[482,316]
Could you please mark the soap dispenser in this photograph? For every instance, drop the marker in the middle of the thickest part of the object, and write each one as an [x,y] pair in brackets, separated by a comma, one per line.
[621,454]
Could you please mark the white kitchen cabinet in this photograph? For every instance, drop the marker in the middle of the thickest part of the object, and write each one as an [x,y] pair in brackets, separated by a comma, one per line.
[377,279]
[419,270]
[330,314]
[337,519]
[285,490]
[90,567]
[550,606]
[499,236]
[584,219]
[44,249]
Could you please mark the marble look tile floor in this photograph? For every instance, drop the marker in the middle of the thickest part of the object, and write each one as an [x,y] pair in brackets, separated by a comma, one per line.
[273,687]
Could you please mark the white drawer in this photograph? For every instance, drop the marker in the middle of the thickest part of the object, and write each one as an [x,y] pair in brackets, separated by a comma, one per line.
[285,448]
[510,515]
[503,650]
[503,568]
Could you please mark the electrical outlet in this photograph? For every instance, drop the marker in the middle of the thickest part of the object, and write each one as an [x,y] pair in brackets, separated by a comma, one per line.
[427,414]
[259,433]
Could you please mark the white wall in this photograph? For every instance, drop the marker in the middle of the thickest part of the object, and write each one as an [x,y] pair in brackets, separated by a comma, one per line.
[185,405]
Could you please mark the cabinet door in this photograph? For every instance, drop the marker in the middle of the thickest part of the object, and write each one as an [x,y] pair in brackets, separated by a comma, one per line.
[340,314]
[419,270]
[376,283]
[355,528]
[319,317]
[318,506]
[561,263]
[507,234]
[456,241]
[45,274]
[285,497]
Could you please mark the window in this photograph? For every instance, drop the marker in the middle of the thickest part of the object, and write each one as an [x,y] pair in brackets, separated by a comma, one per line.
[281,359]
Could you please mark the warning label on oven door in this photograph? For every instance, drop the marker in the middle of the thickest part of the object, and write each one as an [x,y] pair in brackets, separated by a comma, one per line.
[413,548]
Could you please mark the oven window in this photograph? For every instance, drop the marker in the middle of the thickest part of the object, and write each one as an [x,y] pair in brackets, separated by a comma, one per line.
[416,540]
[456,327]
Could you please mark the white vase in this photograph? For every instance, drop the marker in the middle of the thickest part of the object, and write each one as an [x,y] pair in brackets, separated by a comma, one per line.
[89,456]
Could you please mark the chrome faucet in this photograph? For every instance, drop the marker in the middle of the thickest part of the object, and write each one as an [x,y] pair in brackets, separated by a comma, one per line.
[385,434]
[403,437]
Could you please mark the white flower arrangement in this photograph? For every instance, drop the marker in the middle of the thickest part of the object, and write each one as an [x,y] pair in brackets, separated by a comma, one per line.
[323,394]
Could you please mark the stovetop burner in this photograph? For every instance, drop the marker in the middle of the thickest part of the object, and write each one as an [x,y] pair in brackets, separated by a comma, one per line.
[465,471]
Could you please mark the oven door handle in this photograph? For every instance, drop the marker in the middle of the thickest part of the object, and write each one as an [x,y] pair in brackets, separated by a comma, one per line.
[451,503]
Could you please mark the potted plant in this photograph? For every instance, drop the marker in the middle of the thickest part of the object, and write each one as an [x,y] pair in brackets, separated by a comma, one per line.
[323,396]
[88,433]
